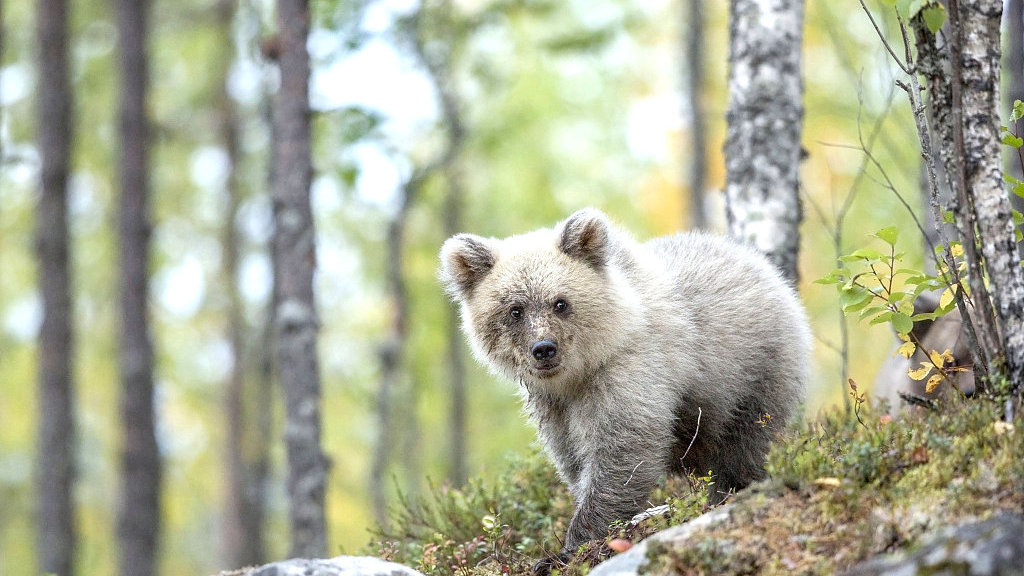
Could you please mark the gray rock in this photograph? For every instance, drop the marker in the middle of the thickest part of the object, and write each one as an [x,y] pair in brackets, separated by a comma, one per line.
[630,561]
[340,566]
[993,547]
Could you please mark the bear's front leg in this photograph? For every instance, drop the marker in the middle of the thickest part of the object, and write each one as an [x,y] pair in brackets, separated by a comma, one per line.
[614,486]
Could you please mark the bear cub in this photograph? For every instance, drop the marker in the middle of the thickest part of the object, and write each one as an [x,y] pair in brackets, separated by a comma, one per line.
[684,353]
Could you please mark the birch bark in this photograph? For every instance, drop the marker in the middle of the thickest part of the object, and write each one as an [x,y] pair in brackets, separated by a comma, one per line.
[765,118]
[295,317]
[978,35]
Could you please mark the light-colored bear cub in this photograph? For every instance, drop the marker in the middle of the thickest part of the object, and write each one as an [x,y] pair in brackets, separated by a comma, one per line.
[684,353]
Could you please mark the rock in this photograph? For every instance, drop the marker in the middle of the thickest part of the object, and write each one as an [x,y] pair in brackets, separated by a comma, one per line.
[629,562]
[339,566]
[993,547]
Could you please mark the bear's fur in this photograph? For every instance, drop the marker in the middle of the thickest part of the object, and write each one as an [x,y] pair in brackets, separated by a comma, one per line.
[684,353]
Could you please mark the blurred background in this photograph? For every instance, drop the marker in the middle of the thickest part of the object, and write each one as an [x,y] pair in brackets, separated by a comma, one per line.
[550,106]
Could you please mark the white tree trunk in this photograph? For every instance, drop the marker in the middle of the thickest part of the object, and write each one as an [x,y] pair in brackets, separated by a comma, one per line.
[765,118]
[979,36]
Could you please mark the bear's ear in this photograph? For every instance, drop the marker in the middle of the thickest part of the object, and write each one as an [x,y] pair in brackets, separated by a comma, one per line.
[465,260]
[585,235]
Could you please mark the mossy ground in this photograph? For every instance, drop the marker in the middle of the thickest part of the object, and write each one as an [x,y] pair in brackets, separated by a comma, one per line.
[844,487]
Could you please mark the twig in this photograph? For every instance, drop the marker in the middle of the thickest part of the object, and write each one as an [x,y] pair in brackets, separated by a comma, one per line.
[692,440]
[900,63]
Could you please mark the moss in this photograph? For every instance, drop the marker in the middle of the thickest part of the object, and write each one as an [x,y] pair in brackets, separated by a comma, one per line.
[842,489]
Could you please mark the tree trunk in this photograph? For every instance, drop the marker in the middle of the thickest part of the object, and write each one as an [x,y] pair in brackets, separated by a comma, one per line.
[693,47]
[138,523]
[1014,61]
[295,317]
[975,26]
[765,115]
[243,533]
[55,464]
[457,470]
[439,62]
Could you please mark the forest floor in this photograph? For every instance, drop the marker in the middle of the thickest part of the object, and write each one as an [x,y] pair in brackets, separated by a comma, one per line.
[844,487]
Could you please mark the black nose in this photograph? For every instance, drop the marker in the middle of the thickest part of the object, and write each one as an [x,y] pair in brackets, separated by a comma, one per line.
[544,350]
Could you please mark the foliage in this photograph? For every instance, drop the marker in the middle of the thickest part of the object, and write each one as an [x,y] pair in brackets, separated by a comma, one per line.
[841,490]
[844,490]
[507,521]
[563,112]
[874,285]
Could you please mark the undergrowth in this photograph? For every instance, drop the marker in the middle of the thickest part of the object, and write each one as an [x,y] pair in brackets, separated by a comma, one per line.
[843,487]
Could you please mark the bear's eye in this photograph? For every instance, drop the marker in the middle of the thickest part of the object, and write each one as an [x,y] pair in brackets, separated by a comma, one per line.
[516,312]
[561,306]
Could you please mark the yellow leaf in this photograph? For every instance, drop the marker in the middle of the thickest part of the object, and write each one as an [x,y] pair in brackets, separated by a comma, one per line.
[941,358]
[829,482]
[933,383]
[1001,427]
[946,298]
[921,372]
[956,249]
[906,349]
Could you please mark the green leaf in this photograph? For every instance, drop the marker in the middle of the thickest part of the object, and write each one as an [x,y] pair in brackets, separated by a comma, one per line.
[1019,189]
[934,17]
[871,311]
[1018,111]
[889,235]
[863,254]
[1018,218]
[883,317]
[1011,140]
[903,9]
[902,323]
[854,296]
[857,306]
[1010,179]
[948,217]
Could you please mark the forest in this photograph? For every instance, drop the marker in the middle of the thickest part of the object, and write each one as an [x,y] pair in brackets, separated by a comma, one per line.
[223,341]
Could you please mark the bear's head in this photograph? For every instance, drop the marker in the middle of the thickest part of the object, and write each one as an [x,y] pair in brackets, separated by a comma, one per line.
[545,307]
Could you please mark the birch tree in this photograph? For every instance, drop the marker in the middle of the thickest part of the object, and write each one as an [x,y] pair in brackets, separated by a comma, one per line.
[960,141]
[295,316]
[55,464]
[243,533]
[765,118]
[138,517]
[975,36]
[693,50]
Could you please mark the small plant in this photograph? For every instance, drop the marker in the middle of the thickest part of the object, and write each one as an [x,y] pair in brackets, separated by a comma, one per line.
[874,285]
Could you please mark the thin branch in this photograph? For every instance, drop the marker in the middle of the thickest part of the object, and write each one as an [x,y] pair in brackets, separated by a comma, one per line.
[881,36]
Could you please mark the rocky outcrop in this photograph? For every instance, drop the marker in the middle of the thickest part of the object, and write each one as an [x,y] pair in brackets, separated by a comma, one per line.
[993,547]
[339,566]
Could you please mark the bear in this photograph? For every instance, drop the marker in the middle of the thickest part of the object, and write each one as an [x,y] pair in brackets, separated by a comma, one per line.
[685,353]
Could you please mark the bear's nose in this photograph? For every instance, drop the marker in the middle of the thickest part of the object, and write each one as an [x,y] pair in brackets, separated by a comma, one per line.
[544,350]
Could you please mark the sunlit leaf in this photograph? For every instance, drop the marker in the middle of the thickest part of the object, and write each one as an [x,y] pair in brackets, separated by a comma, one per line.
[1018,111]
[889,235]
[934,17]
[933,383]
[902,323]
[947,298]
[906,349]
[920,373]
[1011,140]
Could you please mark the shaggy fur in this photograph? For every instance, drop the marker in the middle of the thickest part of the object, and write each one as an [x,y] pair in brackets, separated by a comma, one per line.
[628,352]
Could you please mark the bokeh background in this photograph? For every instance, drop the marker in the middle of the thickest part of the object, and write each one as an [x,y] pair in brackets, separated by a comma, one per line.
[566,104]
